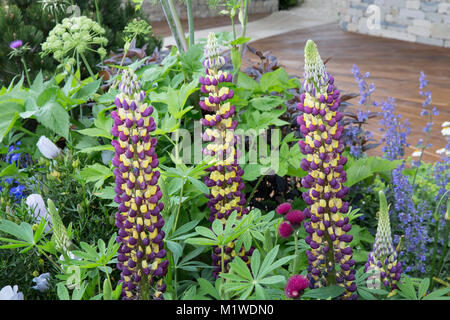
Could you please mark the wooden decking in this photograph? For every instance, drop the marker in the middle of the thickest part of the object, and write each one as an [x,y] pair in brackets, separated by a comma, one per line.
[394,67]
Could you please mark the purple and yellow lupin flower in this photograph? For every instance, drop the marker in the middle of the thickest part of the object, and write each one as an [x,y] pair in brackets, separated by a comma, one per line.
[141,254]
[225,177]
[323,147]
[382,262]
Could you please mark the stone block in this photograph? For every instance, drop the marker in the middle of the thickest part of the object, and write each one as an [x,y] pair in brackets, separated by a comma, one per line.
[419,31]
[430,41]
[413,4]
[411,13]
[422,23]
[398,35]
[444,8]
[440,30]
[447,43]
[429,6]
[434,17]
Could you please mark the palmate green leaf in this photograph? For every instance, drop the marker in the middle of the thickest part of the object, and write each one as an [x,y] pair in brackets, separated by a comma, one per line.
[272,280]
[324,292]
[200,186]
[440,294]
[207,288]
[201,241]
[406,288]
[239,267]
[24,231]
[205,232]
[423,287]
[105,147]
[276,80]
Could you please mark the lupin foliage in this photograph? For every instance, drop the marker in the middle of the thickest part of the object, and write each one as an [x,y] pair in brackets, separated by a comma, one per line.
[330,257]
[225,176]
[383,257]
[142,253]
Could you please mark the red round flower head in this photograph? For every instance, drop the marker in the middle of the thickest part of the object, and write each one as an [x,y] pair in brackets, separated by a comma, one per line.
[285,229]
[295,285]
[295,217]
[283,208]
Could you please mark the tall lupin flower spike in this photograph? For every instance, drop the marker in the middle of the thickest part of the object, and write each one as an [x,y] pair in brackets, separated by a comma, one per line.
[323,147]
[225,177]
[138,218]
[383,257]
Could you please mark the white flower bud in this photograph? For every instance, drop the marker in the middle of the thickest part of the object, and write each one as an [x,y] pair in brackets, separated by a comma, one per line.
[36,203]
[48,148]
[11,293]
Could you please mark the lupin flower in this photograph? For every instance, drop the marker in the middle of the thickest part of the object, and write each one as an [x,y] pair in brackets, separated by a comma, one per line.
[383,257]
[141,254]
[323,147]
[225,177]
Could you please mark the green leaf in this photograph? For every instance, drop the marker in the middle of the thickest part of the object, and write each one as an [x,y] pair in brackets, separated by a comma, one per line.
[423,287]
[87,91]
[63,293]
[239,267]
[205,232]
[246,82]
[200,186]
[325,292]
[107,290]
[95,132]
[53,116]
[208,288]
[272,280]
[266,103]
[96,173]
[438,294]
[407,289]
[9,113]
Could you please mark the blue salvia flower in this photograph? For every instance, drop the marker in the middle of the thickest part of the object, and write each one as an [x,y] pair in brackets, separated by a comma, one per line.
[394,131]
[411,221]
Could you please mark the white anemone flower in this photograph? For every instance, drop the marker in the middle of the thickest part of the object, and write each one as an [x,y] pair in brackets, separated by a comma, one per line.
[36,203]
[42,283]
[48,148]
[11,293]
[442,151]
[416,153]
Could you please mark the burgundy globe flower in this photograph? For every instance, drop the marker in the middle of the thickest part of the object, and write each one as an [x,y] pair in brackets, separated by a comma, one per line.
[283,208]
[295,286]
[295,217]
[16,44]
[285,229]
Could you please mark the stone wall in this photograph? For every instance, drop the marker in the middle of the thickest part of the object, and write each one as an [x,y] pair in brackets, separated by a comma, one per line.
[202,10]
[422,21]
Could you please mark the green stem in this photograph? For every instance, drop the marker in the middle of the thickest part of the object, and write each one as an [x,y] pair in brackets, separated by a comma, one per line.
[294,269]
[87,65]
[436,236]
[26,131]
[51,260]
[171,23]
[445,250]
[254,189]
[190,23]
[244,24]
[26,71]
[174,227]
[97,11]
[177,24]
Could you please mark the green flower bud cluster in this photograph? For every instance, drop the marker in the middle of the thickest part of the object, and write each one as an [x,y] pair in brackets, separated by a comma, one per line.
[135,28]
[74,35]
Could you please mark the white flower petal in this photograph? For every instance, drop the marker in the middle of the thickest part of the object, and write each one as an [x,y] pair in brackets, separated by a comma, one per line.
[36,203]
[48,148]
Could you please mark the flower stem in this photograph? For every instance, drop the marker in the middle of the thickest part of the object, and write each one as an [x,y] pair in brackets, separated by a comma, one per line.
[26,71]
[87,65]
[436,236]
[294,269]
[254,189]
[191,23]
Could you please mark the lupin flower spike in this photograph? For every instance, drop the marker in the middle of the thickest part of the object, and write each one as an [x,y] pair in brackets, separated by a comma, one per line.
[382,260]
[141,254]
[323,147]
[225,177]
